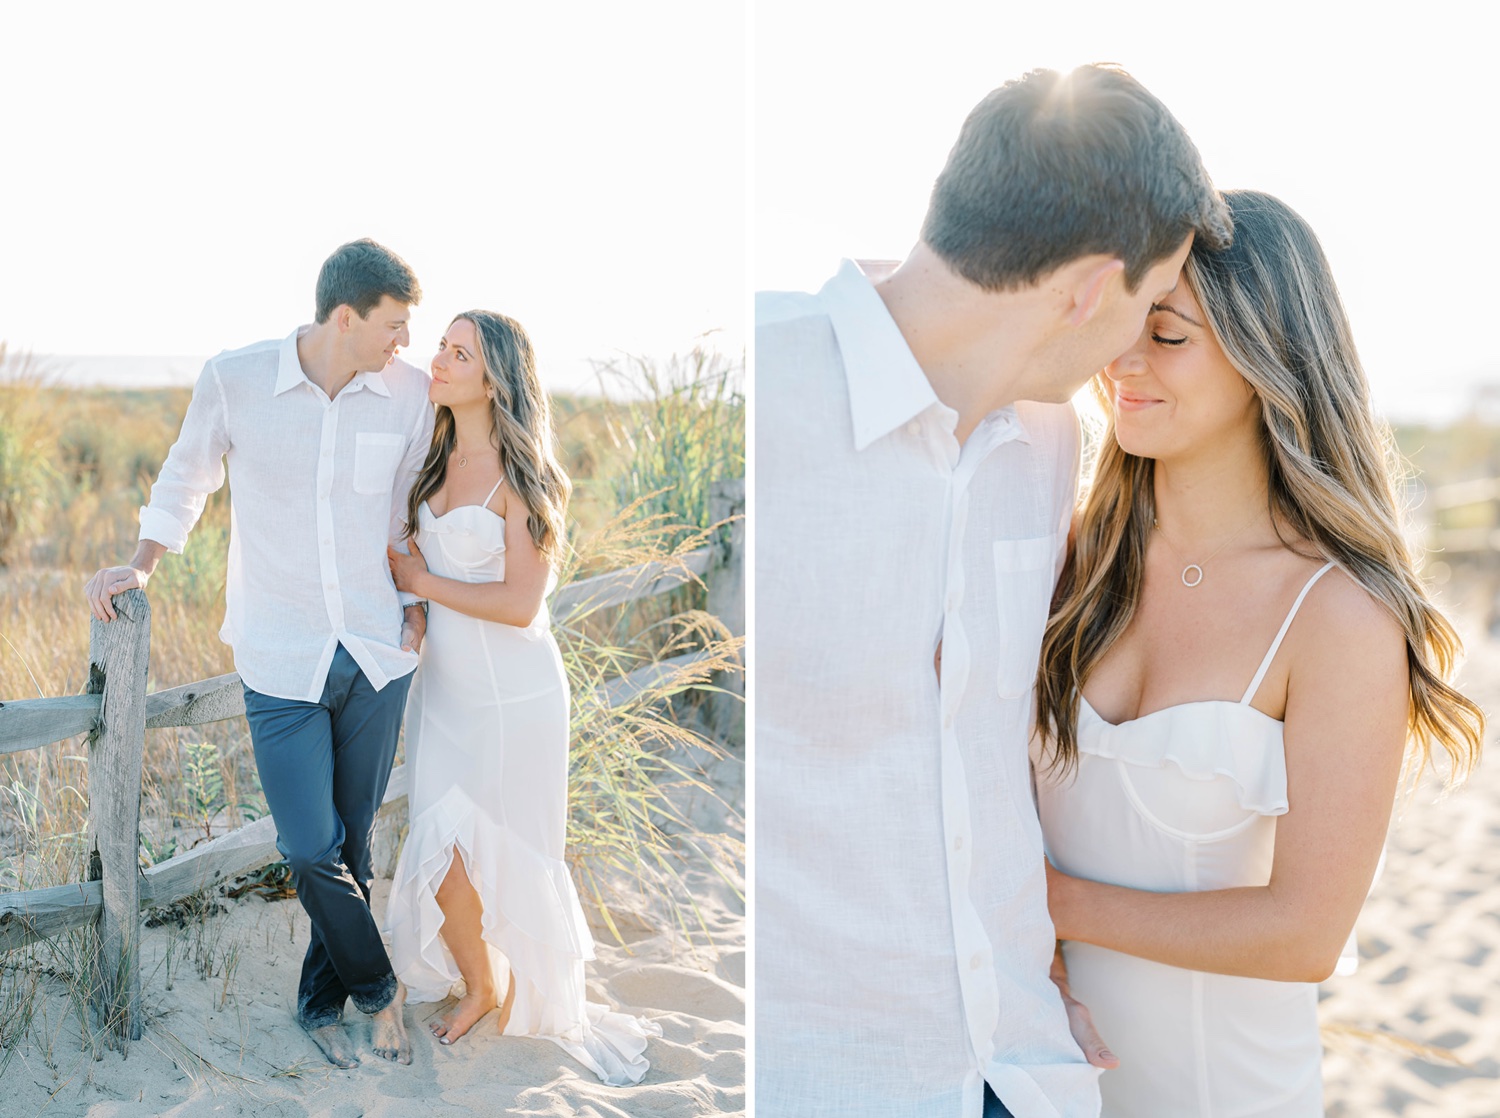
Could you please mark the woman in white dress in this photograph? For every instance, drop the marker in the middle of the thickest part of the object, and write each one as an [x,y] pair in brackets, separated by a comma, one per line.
[1239,657]
[481,894]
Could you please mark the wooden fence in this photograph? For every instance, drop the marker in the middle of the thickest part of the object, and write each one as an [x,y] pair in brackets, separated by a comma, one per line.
[1464,532]
[116,711]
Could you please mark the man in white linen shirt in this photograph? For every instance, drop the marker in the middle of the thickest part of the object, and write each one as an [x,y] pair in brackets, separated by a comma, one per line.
[324,432]
[916,466]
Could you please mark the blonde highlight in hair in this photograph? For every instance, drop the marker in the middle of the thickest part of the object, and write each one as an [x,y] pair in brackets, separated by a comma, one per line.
[1272,305]
[521,431]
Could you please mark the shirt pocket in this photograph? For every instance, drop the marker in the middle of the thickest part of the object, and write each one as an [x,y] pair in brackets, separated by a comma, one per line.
[1024,578]
[376,456]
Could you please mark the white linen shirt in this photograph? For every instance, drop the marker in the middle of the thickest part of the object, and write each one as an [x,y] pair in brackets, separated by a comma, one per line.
[902,936]
[319,488]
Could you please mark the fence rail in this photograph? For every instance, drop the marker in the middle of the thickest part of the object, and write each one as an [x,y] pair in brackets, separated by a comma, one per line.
[117,711]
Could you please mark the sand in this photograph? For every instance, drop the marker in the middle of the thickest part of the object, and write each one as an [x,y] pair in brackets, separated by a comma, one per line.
[1429,939]
[217,1048]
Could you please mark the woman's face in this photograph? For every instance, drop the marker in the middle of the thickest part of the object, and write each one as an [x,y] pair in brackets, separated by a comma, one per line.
[1174,393]
[458,367]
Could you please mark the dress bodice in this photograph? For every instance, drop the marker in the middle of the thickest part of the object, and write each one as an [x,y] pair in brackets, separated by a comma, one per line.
[466,543]
[1184,799]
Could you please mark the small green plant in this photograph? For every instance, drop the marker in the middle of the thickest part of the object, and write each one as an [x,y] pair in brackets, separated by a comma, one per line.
[154,850]
[202,786]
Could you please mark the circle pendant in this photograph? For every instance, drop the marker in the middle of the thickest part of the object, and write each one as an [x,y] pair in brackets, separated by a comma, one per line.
[462,462]
[1192,567]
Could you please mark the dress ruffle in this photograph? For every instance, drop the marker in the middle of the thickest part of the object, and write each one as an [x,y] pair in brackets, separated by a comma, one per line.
[532,923]
[1204,740]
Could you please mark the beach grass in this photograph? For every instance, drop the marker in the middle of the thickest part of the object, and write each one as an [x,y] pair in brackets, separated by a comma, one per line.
[76,465]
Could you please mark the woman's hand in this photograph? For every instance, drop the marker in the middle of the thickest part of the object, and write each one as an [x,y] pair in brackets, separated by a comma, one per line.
[406,569]
[1080,1022]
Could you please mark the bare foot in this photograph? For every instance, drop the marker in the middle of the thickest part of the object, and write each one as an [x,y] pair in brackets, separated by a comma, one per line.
[388,1030]
[470,1008]
[335,1045]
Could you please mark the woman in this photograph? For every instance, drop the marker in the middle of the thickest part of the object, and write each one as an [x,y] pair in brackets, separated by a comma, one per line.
[481,892]
[1239,654]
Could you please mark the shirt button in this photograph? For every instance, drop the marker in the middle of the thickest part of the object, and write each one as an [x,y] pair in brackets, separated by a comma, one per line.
[958,843]
[948,721]
[952,602]
[975,962]
[914,427]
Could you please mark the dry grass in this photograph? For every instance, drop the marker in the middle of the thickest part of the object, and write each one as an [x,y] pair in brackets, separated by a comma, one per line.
[75,465]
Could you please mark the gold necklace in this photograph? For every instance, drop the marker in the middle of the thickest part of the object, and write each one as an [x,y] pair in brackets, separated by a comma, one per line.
[1199,566]
[463,460]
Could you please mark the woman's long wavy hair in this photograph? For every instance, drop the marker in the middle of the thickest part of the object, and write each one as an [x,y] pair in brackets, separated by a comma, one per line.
[521,432]
[1275,311]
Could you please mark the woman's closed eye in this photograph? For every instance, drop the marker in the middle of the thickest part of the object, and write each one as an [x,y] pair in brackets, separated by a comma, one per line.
[1161,339]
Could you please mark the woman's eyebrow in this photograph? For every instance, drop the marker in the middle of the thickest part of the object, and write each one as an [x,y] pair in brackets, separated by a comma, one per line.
[1173,310]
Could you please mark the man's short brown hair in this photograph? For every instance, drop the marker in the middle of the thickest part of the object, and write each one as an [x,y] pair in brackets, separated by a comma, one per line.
[359,274]
[1052,167]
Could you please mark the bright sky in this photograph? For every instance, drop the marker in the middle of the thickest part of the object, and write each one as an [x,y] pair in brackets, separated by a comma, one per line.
[175,173]
[1380,130]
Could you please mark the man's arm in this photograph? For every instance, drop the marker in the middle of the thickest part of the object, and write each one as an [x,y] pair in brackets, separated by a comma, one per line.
[194,468]
[419,440]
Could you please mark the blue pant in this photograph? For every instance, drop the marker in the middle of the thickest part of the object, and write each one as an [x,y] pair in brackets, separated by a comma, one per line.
[993,1107]
[323,767]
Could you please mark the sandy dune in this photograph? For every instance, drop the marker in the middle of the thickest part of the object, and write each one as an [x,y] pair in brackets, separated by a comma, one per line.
[244,1055]
[1429,940]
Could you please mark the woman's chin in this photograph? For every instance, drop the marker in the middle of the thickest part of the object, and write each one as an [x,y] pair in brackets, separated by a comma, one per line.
[1132,442]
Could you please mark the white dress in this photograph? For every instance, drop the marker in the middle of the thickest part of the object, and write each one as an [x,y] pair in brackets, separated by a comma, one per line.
[1185,799]
[487,748]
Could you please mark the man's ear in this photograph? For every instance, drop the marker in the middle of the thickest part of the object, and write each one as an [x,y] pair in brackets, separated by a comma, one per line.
[343,315]
[1088,294]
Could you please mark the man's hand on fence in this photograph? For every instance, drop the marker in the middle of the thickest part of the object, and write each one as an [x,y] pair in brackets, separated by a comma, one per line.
[101,589]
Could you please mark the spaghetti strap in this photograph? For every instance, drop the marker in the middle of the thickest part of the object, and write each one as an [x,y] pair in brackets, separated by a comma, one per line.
[1285,625]
[486,502]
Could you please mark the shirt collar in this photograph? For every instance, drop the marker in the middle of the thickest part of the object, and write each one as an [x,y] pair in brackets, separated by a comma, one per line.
[375,382]
[289,371]
[886,385]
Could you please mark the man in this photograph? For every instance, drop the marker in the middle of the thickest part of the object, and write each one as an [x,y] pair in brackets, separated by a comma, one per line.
[912,509]
[324,432]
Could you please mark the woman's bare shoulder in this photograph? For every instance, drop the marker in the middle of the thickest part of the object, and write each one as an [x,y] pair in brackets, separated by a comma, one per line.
[1343,623]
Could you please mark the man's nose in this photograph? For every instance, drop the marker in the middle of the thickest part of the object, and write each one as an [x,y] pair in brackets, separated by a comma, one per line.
[1129,363]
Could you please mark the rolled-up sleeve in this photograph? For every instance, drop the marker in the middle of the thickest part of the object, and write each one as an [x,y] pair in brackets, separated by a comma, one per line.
[417,445]
[194,467]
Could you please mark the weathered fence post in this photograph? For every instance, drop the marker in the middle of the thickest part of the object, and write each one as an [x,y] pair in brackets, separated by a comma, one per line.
[118,655]
[726,601]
